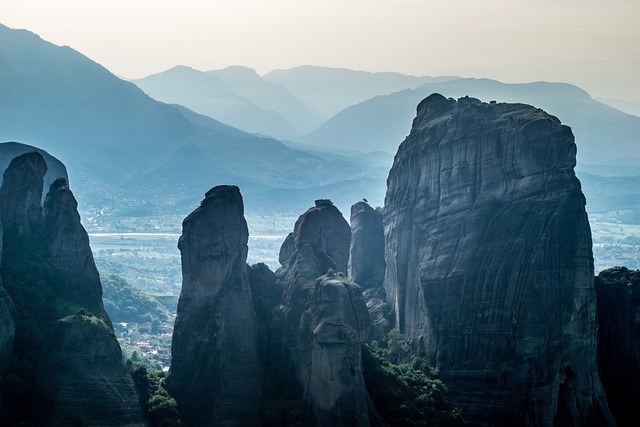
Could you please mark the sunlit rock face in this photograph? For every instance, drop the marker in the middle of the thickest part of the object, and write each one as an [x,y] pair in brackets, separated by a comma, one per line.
[618,303]
[326,318]
[489,262]
[216,371]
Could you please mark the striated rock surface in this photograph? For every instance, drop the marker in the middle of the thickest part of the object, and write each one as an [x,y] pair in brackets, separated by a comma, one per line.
[11,150]
[367,265]
[618,303]
[366,254]
[58,366]
[21,193]
[81,379]
[7,329]
[489,262]
[331,334]
[216,371]
[69,252]
[326,318]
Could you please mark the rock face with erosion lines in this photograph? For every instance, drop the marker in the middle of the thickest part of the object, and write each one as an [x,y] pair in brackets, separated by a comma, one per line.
[326,319]
[489,262]
[216,370]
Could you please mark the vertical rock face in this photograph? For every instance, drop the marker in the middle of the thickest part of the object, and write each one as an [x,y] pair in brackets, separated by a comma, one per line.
[366,259]
[7,328]
[69,250]
[69,372]
[489,262]
[332,331]
[618,303]
[326,318]
[216,372]
[81,379]
[21,192]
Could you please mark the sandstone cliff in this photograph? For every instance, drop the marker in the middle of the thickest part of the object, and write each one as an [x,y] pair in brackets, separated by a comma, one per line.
[7,329]
[48,270]
[367,265]
[489,262]
[69,252]
[366,254]
[216,371]
[618,303]
[81,379]
[326,319]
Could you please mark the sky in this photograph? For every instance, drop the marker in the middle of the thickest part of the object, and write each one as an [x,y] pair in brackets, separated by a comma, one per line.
[594,44]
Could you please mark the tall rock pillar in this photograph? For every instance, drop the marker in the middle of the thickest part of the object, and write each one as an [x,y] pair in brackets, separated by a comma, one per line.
[489,262]
[216,371]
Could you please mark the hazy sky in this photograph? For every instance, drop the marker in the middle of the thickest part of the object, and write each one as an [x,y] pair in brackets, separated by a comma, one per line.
[592,43]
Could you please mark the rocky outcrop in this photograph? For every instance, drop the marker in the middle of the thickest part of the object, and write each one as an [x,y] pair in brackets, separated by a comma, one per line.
[618,304]
[326,319]
[331,334]
[63,370]
[7,329]
[69,252]
[367,265]
[489,262]
[366,255]
[81,379]
[11,150]
[21,193]
[216,371]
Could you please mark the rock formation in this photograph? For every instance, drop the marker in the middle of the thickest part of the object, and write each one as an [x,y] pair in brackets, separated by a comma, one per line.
[11,150]
[367,265]
[59,364]
[366,255]
[21,193]
[7,328]
[326,318]
[81,379]
[618,304]
[331,334]
[216,371]
[69,251]
[489,262]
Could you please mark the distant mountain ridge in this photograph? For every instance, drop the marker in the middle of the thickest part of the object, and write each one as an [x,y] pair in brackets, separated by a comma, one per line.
[604,135]
[119,140]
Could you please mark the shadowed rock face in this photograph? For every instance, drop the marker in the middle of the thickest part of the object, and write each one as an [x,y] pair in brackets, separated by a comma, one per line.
[76,373]
[21,193]
[489,262]
[81,379]
[69,251]
[331,334]
[366,259]
[326,318]
[618,302]
[7,328]
[216,372]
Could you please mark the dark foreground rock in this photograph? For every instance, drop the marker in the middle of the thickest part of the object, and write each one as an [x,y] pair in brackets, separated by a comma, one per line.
[66,364]
[618,302]
[489,262]
[216,371]
[326,320]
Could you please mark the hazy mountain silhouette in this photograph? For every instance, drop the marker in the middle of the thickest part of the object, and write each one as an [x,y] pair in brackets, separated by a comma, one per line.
[603,134]
[330,90]
[115,140]
[208,94]
[269,96]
